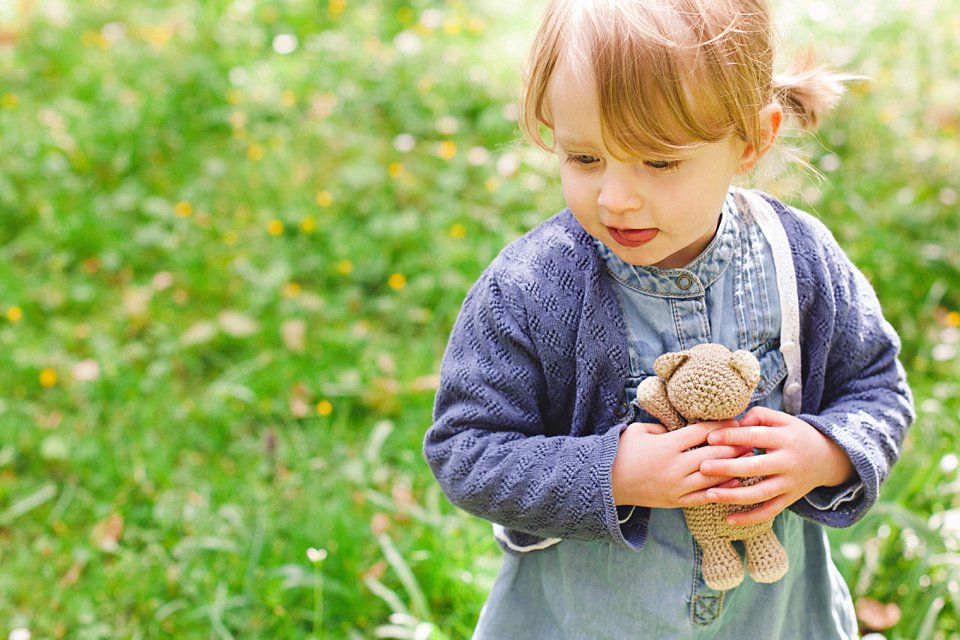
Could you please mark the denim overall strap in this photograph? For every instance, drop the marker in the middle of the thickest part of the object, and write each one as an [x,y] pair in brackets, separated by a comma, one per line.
[753,204]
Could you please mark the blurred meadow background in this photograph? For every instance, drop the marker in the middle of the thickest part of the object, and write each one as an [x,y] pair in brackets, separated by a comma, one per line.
[234,238]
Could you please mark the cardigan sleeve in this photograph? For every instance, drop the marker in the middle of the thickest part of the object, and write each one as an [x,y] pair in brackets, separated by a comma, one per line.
[488,446]
[855,388]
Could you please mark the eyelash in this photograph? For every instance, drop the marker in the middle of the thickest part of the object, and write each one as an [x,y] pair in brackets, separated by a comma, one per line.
[658,166]
[663,166]
[582,159]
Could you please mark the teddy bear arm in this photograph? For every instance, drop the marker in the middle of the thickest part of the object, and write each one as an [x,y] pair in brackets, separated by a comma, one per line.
[652,396]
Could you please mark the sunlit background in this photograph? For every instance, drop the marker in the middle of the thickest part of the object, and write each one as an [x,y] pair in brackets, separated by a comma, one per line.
[235,236]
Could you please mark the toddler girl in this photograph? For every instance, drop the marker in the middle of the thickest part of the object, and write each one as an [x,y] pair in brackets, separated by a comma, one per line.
[653,107]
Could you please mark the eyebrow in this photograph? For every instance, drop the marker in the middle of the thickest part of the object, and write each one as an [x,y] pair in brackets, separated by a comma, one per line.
[573,142]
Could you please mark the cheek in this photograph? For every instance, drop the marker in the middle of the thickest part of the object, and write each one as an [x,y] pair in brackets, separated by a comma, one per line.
[576,190]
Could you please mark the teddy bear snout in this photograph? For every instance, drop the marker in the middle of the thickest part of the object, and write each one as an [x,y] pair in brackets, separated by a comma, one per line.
[709,401]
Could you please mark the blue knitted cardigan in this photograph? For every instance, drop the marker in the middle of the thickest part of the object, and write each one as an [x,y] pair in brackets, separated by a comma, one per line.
[529,410]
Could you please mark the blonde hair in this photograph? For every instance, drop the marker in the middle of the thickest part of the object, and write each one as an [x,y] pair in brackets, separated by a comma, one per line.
[672,74]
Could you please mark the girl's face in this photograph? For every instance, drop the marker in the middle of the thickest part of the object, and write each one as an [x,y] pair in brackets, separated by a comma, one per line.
[650,211]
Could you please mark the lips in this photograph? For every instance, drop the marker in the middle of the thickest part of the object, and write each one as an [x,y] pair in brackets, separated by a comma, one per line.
[632,237]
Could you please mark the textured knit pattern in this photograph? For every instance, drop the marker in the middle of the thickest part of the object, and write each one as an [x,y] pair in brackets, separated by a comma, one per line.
[528,414]
[708,382]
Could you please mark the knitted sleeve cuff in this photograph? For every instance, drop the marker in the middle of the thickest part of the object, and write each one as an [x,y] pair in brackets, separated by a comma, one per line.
[627,524]
[831,498]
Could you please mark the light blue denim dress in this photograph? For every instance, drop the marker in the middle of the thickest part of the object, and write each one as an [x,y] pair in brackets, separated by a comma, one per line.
[597,590]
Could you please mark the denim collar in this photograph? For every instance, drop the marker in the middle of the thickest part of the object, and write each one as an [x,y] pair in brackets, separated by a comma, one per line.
[690,281]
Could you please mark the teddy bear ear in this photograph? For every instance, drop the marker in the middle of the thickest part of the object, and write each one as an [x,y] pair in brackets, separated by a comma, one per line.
[747,365]
[668,363]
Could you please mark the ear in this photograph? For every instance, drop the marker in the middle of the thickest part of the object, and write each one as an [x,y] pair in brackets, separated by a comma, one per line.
[770,118]
[668,363]
[746,364]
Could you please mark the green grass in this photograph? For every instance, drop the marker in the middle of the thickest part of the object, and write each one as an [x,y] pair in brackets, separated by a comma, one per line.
[229,263]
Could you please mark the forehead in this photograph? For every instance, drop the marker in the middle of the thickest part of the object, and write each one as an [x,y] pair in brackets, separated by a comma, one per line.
[637,123]
[572,102]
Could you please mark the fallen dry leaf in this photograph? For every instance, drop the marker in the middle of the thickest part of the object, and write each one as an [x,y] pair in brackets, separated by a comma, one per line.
[876,615]
[106,533]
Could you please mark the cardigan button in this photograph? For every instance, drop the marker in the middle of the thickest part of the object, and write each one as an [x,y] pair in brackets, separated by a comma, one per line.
[787,347]
[621,410]
[792,389]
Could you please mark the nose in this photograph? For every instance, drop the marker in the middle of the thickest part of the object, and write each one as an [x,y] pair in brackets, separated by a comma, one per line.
[620,191]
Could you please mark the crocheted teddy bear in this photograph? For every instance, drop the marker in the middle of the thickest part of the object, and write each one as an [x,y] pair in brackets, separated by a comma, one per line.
[707,383]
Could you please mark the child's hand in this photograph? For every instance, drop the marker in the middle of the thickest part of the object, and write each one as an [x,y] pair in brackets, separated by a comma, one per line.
[798,459]
[657,468]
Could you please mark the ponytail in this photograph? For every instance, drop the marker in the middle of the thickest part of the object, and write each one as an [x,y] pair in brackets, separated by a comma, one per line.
[808,91]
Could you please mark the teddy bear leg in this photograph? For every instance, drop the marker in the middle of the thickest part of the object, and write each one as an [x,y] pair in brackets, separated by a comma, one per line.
[766,558]
[722,565]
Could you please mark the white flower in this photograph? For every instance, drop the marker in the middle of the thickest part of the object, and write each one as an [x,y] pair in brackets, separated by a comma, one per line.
[404,142]
[315,555]
[86,370]
[408,43]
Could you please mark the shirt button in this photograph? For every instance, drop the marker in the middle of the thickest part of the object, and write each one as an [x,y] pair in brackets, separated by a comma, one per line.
[684,282]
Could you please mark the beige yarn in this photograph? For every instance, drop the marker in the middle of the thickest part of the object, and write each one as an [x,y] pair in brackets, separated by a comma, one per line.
[708,382]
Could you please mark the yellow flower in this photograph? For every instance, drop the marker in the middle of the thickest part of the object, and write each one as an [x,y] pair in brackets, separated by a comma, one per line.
[447,149]
[345,267]
[308,224]
[238,119]
[48,378]
[324,408]
[230,238]
[275,228]
[397,281]
[458,231]
[395,169]
[476,25]
[953,318]
[288,98]
[157,35]
[94,39]
[337,7]
[452,26]
[255,152]
[292,290]
[14,314]
[183,209]
[324,198]
[9,101]
[491,184]
[234,96]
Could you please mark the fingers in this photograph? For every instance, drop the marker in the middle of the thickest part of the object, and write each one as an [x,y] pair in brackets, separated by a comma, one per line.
[716,452]
[767,489]
[745,466]
[693,489]
[695,435]
[766,511]
[753,437]
[764,416]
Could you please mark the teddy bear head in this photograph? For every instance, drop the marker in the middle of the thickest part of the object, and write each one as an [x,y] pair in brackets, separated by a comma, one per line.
[708,381]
